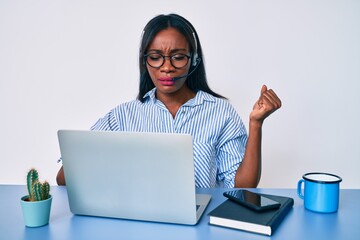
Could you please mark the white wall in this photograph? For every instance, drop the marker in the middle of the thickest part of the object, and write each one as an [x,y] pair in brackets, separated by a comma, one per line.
[64,64]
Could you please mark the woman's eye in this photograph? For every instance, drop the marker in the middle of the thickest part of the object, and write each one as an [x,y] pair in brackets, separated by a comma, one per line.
[155,57]
[178,57]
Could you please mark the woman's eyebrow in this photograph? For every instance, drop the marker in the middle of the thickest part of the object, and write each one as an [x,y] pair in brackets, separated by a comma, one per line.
[175,50]
[154,50]
[178,50]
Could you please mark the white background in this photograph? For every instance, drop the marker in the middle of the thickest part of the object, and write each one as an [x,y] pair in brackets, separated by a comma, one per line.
[64,64]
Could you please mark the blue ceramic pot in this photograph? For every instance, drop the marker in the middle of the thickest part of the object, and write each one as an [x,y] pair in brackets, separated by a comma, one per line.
[36,214]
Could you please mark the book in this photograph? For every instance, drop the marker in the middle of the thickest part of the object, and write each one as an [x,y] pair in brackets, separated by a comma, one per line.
[233,215]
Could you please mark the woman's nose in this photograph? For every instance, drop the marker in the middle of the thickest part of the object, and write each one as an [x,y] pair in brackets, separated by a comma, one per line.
[167,66]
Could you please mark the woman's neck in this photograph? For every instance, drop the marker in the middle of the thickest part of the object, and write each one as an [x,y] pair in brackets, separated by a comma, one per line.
[173,101]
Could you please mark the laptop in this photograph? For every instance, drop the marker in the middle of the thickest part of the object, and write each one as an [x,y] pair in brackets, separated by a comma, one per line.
[131,175]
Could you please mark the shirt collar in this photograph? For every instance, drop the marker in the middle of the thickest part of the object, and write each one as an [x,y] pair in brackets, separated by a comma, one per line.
[150,95]
[199,99]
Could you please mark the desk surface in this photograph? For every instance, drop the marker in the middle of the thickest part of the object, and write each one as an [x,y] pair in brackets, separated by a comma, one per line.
[299,224]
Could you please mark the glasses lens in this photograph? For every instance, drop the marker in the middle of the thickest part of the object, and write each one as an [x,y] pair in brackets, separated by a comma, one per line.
[156,60]
[179,60]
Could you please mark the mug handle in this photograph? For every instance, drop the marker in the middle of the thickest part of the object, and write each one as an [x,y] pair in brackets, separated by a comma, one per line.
[299,189]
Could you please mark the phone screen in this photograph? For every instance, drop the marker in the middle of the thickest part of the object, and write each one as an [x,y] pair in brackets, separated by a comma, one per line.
[252,199]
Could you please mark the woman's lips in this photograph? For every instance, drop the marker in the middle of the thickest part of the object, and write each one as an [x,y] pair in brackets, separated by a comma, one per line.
[167,81]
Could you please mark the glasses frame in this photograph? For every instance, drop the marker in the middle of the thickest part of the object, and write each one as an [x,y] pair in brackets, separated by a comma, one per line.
[163,59]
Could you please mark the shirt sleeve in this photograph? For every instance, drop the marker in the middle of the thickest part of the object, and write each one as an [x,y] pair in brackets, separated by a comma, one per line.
[231,150]
[107,123]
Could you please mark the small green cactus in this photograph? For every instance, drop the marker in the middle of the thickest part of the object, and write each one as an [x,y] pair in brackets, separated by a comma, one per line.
[37,191]
[32,177]
[45,190]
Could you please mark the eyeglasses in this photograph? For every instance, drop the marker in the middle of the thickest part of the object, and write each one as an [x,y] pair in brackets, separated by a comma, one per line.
[156,60]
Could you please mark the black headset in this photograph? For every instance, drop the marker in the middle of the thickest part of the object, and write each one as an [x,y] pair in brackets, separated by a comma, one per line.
[195,58]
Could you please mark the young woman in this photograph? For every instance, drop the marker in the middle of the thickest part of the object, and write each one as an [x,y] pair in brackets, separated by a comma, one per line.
[174,97]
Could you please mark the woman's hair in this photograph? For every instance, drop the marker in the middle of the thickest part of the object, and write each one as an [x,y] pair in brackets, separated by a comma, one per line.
[197,80]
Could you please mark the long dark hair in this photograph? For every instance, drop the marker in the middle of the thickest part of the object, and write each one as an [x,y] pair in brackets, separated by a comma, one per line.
[197,80]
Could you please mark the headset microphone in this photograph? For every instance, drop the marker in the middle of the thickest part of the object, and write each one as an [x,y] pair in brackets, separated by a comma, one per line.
[191,72]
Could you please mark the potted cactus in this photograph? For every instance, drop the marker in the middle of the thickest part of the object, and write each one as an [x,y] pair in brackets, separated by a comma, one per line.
[36,206]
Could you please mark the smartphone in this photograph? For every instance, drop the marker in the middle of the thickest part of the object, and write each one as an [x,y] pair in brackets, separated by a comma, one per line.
[252,200]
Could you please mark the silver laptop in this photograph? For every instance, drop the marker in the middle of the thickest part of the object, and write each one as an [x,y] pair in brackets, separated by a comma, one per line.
[129,175]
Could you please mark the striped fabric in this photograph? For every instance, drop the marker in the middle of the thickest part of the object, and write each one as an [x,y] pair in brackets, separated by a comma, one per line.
[218,132]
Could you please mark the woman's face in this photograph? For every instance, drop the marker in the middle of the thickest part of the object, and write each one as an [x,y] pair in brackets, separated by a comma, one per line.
[168,42]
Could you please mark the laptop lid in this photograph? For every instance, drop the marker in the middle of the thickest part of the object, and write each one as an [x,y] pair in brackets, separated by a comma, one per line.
[130,175]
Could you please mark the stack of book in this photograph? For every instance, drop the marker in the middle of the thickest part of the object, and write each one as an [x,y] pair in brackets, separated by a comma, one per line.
[233,215]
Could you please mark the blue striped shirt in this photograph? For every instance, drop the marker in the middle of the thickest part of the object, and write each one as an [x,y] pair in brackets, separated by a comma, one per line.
[219,135]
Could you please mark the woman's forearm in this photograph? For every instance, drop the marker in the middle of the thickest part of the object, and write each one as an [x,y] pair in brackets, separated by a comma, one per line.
[249,172]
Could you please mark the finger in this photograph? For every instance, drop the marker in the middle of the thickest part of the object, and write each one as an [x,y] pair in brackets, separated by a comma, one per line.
[271,94]
[275,98]
[263,89]
[272,99]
